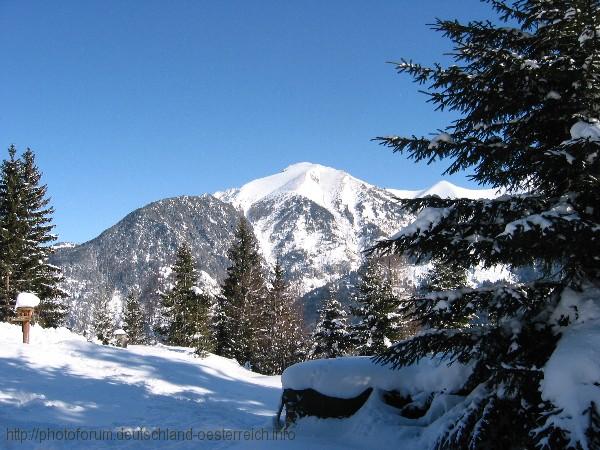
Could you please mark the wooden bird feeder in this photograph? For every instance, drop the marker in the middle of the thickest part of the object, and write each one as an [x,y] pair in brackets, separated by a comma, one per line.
[26,303]
[24,315]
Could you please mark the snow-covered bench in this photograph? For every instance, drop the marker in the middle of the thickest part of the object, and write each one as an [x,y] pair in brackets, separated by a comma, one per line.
[338,387]
[308,402]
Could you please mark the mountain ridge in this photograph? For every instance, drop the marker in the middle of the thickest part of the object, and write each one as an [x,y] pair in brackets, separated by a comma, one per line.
[314,219]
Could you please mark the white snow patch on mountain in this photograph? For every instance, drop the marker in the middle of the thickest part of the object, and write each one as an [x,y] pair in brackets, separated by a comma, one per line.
[60,245]
[208,284]
[323,185]
[445,189]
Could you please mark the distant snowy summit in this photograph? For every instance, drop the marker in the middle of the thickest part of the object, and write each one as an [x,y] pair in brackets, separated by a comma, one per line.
[323,185]
[320,184]
[445,189]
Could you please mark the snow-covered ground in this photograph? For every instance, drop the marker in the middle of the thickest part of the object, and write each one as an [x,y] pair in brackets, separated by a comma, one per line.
[62,383]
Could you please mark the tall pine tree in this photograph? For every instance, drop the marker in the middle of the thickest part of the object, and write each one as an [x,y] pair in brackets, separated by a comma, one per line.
[13,229]
[133,319]
[281,336]
[331,337]
[243,295]
[445,276]
[103,326]
[26,238]
[379,322]
[42,277]
[187,309]
[528,96]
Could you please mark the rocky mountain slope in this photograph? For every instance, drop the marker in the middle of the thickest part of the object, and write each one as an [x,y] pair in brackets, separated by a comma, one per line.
[138,251]
[314,219]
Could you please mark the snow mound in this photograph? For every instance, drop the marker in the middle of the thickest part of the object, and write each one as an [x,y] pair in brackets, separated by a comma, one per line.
[347,377]
[586,130]
[572,374]
[377,424]
[27,300]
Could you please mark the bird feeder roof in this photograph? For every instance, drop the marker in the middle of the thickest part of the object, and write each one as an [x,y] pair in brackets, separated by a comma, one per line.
[27,300]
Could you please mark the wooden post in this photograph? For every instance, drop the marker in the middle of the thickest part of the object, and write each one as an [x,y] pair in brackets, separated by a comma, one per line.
[24,315]
[25,329]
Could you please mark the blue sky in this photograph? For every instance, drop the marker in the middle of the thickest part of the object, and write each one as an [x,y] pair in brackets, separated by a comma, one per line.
[129,101]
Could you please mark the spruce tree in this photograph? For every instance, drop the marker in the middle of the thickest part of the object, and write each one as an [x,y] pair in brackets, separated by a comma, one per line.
[527,95]
[26,238]
[445,276]
[243,295]
[103,326]
[379,322]
[202,338]
[13,229]
[331,337]
[133,319]
[187,309]
[41,277]
[281,336]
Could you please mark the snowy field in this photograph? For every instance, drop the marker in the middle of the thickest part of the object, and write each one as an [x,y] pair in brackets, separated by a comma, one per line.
[61,382]
[63,386]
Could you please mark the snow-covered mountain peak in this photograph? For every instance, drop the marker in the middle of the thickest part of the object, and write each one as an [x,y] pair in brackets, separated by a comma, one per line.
[442,188]
[330,188]
[320,184]
[445,189]
[316,220]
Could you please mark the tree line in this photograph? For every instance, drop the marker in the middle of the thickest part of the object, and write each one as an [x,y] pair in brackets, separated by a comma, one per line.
[258,320]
